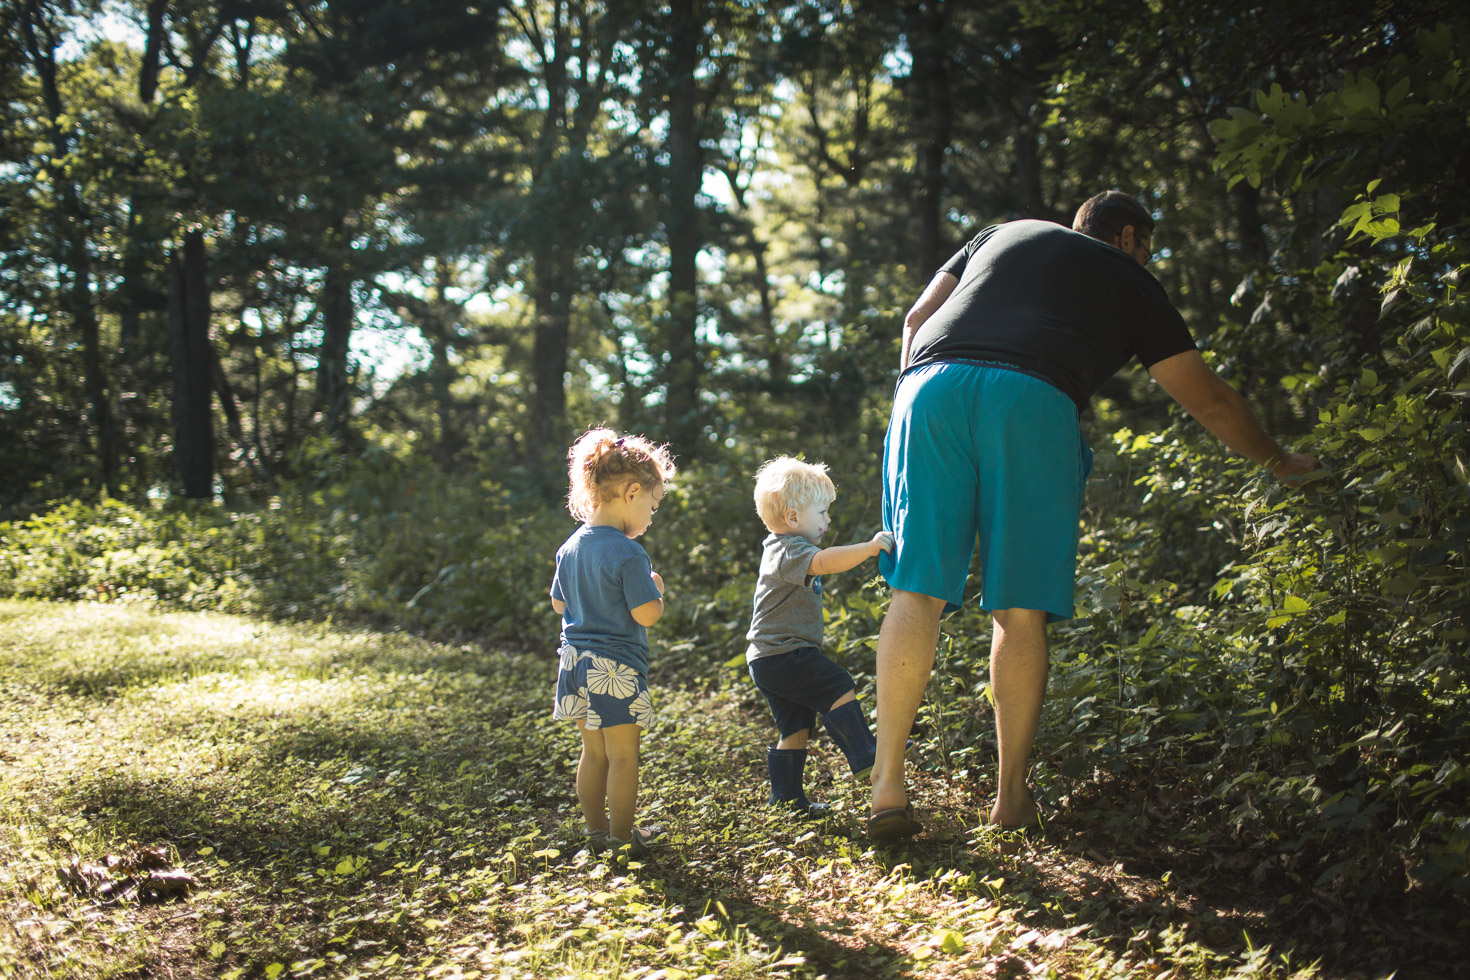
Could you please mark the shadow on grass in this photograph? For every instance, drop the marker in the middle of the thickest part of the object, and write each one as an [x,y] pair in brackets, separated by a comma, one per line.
[1130,889]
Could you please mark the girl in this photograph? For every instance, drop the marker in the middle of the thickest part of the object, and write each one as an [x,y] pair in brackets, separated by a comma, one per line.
[607,594]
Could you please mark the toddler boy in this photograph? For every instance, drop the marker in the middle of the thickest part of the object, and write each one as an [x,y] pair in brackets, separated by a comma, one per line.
[798,681]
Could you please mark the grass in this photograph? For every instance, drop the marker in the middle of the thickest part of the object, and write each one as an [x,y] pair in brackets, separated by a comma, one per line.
[359,804]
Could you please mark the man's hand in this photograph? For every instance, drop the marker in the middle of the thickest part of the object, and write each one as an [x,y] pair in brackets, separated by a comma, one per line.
[1294,466]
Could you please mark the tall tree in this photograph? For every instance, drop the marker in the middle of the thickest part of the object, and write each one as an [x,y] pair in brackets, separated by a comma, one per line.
[41,30]
[929,87]
[582,145]
[686,174]
[193,367]
[387,68]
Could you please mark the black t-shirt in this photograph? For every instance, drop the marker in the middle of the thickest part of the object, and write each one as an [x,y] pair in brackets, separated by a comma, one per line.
[1053,303]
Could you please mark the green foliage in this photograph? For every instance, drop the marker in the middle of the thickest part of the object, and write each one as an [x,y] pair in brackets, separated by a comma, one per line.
[365,804]
[117,553]
[1357,589]
[1375,118]
[445,557]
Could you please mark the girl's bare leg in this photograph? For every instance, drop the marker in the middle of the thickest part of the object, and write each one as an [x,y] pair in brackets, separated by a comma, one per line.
[592,777]
[621,742]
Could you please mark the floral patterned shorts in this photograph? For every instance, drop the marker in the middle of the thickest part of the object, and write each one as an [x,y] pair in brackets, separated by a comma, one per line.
[604,693]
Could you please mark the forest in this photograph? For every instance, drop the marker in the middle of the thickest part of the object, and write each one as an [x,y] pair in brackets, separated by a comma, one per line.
[303,301]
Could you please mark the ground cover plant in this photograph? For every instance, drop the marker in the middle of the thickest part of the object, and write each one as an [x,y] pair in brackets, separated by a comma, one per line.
[352,803]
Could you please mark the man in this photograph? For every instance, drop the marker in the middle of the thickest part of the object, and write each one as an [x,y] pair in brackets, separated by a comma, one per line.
[1001,353]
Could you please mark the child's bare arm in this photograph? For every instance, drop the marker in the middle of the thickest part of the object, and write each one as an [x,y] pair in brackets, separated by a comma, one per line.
[843,557]
[650,612]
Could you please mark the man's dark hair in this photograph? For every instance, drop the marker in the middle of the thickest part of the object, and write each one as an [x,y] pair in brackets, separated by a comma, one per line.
[1104,216]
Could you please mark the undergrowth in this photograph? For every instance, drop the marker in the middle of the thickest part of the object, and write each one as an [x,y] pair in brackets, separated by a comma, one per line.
[362,804]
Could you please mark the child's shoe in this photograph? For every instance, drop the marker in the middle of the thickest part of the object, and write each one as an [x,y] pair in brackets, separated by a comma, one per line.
[643,838]
[787,767]
[637,847]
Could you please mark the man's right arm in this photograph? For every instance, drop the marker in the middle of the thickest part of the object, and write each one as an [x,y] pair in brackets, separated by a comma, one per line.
[1219,408]
[924,307]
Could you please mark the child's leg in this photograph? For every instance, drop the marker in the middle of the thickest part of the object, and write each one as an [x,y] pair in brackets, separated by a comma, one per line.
[621,743]
[781,680]
[592,777]
[796,740]
[849,729]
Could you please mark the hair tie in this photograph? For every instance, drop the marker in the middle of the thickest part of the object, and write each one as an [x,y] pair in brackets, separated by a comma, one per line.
[618,442]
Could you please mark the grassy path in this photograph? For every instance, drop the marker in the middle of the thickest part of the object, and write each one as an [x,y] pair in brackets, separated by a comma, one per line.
[369,805]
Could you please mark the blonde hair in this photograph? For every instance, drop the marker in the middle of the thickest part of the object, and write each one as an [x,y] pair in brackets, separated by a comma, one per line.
[602,463]
[786,483]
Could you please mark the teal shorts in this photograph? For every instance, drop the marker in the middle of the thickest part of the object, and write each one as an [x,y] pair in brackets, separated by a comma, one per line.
[984,452]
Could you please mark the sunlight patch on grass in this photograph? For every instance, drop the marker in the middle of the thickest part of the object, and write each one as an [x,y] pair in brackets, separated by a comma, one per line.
[374,806]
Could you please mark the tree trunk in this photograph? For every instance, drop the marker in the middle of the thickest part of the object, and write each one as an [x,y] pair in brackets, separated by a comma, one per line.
[137,294]
[193,369]
[685,421]
[331,369]
[440,323]
[40,41]
[549,362]
[935,112]
[1249,228]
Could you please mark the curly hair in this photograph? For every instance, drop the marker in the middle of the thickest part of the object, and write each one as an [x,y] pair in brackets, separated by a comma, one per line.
[786,483]
[602,463]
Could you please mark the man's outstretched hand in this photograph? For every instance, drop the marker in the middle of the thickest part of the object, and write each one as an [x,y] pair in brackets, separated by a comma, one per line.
[1294,466]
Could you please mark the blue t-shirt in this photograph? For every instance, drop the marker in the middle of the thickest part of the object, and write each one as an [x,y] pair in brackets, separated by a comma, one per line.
[602,574]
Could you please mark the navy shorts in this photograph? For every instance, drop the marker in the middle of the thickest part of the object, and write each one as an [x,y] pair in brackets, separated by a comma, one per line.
[602,693]
[799,686]
[983,452]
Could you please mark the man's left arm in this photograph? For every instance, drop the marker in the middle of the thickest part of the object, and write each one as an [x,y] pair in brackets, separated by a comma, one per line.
[924,307]
[1221,409]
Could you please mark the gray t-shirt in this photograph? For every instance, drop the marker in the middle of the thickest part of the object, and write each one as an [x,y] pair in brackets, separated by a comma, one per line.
[788,601]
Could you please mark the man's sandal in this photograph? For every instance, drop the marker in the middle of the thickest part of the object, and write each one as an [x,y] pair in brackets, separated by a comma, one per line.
[895,823]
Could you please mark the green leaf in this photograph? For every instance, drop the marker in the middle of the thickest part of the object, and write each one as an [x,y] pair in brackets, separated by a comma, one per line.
[1360,96]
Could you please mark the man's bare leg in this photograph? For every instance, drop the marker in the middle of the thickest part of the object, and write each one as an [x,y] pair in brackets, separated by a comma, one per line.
[1018,665]
[906,643]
